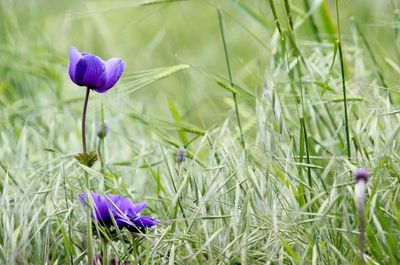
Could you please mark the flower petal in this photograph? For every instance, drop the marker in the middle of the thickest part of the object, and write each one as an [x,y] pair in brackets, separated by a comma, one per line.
[139,207]
[122,220]
[100,206]
[113,71]
[74,57]
[114,197]
[145,221]
[90,72]
[123,204]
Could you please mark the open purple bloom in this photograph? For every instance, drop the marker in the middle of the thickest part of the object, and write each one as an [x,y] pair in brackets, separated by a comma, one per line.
[101,210]
[122,210]
[89,70]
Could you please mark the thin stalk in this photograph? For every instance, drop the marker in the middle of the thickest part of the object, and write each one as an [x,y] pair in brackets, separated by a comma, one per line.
[90,250]
[221,27]
[68,216]
[300,112]
[333,123]
[302,122]
[176,190]
[238,121]
[289,13]
[362,233]
[395,20]
[105,246]
[85,104]
[136,252]
[346,119]
[275,14]
[307,153]
[302,108]
[217,159]
[312,21]
[374,60]
[100,148]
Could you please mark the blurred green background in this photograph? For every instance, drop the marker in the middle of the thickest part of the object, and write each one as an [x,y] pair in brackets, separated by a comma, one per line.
[35,37]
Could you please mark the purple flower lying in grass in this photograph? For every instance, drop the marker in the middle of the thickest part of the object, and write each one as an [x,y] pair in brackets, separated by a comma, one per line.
[124,212]
[89,70]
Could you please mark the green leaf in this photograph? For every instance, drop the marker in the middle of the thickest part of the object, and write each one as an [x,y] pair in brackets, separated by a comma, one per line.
[177,117]
[226,86]
[87,159]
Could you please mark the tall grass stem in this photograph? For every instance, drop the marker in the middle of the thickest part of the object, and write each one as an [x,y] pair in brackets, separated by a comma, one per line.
[346,119]
[221,27]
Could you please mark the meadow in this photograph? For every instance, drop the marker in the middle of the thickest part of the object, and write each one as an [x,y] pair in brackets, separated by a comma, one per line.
[277,103]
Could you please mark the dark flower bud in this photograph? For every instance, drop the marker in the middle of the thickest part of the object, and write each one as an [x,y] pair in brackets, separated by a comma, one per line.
[361,174]
[180,154]
[102,129]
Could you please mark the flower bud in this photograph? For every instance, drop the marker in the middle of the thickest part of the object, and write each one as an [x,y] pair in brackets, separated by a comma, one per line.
[361,176]
[180,154]
[102,129]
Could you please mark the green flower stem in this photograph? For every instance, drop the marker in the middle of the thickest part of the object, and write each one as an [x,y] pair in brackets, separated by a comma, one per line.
[85,104]
[90,250]
[100,148]
[362,233]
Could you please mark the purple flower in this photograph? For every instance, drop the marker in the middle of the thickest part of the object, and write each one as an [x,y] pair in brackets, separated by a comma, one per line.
[122,210]
[89,70]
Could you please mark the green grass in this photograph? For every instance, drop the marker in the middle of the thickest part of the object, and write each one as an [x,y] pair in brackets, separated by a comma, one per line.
[275,190]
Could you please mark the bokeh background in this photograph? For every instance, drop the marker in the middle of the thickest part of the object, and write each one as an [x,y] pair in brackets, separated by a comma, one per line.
[36,36]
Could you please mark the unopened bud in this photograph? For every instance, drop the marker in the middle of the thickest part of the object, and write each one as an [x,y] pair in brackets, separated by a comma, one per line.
[180,154]
[102,129]
[361,176]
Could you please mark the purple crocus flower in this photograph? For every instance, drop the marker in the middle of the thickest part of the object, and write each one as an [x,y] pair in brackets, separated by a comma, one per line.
[122,210]
[89,70]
